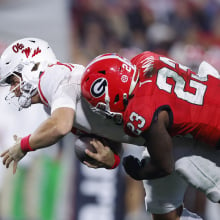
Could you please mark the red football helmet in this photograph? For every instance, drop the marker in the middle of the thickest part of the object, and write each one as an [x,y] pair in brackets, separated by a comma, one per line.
[107,83]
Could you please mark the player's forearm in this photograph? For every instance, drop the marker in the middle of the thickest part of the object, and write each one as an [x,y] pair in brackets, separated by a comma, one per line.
[151,171]
[53,129]
[47,134]
[160,147]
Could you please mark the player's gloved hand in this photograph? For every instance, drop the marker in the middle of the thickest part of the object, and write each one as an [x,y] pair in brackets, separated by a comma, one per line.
[134,167]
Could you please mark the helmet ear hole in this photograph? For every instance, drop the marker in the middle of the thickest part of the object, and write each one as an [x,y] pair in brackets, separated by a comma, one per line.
[102,72]
[87,79]
[116,98]
[35,67]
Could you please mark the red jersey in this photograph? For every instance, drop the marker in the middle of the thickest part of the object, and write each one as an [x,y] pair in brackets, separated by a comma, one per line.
[192,101]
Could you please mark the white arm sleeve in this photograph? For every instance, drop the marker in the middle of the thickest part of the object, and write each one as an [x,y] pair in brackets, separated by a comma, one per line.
[65,96]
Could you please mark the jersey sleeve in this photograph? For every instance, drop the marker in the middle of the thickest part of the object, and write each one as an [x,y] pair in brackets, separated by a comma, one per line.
[138,117]
[146,61]
[142,108]
[59,86]
[65,96]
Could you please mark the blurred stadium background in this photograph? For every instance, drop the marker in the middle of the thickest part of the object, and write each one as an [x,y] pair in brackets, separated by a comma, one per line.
[51,184]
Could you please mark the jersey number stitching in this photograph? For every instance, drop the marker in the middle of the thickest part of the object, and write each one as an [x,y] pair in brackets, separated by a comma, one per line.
[179,89]
[137,118]
[180,83]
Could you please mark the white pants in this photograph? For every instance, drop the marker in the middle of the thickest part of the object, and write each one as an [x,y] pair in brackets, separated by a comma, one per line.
[195,164]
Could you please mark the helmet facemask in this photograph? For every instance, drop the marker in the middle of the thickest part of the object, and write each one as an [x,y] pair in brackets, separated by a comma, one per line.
[27,89]
[103,109]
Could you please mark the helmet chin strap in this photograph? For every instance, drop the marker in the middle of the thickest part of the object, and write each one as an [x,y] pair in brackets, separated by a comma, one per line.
[107,98]
[103,109]
[134,80]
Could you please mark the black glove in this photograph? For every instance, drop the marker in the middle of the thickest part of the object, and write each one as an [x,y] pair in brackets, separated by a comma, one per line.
[142,170]
[133,167]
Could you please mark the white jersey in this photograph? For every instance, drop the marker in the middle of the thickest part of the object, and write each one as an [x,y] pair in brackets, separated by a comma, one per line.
[59,86]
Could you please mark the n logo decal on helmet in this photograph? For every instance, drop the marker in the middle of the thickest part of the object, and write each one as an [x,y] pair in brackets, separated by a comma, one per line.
[98,87]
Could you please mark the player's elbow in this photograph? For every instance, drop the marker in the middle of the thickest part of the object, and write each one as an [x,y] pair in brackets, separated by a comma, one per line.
[63,129]
[162,172]
[167,169]
[60,128]
[62,120]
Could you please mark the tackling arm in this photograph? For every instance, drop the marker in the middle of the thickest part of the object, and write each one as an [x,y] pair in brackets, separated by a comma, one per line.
[159,144]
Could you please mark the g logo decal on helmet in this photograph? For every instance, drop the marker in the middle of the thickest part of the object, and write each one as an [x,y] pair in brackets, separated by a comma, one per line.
[98,87]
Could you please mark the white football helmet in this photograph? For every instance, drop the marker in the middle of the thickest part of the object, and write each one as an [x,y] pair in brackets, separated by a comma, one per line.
[26,58]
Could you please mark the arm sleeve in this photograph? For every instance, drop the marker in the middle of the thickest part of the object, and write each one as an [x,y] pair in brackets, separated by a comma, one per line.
[59,87]
[65,96]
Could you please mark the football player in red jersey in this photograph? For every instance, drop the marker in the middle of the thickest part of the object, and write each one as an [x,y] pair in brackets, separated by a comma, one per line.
[170,100]
[162,100]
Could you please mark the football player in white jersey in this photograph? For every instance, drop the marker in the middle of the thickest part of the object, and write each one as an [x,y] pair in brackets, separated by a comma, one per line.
[34,75]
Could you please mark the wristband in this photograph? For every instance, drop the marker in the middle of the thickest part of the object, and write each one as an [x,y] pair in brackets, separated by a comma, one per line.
[25,146]
[117,161]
